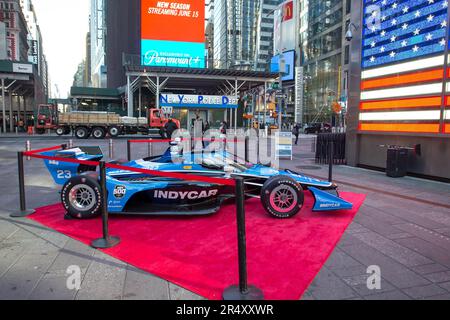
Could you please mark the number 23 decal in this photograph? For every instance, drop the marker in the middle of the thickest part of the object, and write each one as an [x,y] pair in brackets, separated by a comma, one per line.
[64,174]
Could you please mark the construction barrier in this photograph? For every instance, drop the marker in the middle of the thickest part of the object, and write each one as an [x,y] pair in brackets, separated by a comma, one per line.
[323,148]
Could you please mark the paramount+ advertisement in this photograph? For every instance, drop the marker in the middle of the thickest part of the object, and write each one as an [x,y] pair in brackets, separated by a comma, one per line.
[173,33]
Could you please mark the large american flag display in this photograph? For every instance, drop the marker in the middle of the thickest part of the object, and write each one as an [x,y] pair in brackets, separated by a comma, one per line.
[404,74]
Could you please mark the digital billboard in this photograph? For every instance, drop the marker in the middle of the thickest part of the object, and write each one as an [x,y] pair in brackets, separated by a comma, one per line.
[289,57]
[404,70]
[173,33]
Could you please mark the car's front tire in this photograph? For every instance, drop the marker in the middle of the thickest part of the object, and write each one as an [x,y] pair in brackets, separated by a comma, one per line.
[81,197]
[282,197]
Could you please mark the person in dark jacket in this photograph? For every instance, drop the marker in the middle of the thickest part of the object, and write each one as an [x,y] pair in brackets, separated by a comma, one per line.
[170,128]
[296,132]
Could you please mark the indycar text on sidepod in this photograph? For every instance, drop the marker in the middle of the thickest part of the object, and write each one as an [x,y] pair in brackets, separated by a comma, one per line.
[191,195]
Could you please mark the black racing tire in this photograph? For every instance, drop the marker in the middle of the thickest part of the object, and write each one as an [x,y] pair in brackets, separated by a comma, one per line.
[81,197]
[282,197]
[99,133]
[82,133]
[60,131]
[114,131]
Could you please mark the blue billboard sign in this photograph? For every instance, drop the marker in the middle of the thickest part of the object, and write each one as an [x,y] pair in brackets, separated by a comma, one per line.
[289,57]
[173,54]
[185,101]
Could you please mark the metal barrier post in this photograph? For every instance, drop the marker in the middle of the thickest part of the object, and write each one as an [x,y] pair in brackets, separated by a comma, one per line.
[107,241]
[128,150]
[28,148]
[150,149]
[70,144]
[23,208]
[242,291]
[111,148]
[331,160]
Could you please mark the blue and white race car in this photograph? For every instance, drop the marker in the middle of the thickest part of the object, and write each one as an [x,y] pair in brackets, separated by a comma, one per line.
[281,191]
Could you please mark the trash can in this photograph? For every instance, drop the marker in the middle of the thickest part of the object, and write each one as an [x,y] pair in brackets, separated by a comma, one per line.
[397,162]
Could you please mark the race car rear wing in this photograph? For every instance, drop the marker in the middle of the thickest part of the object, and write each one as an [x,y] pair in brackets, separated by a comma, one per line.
[63,171]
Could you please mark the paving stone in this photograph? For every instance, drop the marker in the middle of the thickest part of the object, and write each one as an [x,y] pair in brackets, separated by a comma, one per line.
[328,286]
[6,229]
[376,225]
[178,293]
[421,217]
[340,259]
[359,284]
[9,254]
[22,277]
[392,249]
[445,285]
[443,231]
[427,249]
[399,236]
[52,287]
[445,296]
[382,215]
[438,276]
[140,285]
[427,235]
[424,291]
[356,228]
[429,268]
[392,295]
[396,273]
[104,279]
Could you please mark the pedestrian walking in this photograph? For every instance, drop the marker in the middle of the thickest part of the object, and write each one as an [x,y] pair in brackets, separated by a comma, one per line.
[296,132]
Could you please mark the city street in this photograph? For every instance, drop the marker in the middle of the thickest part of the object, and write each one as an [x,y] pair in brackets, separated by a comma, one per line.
[403,227]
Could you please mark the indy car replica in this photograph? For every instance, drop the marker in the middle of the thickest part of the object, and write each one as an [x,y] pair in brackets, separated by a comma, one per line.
[132,193]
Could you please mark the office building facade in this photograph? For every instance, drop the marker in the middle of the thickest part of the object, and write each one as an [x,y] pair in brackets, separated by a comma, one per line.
[324,55]
[97,30]
[243,32]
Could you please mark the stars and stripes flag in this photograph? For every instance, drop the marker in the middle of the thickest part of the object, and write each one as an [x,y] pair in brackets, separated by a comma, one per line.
[404,78]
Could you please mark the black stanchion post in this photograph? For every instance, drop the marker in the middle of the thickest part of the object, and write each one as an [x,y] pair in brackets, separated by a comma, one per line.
[23,205]
[128,150]
[242,291]
[331,160]
[107,241]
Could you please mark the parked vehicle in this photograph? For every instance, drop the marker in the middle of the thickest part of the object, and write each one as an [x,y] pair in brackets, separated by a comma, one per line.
[47,118]
[98,124]
[318,127]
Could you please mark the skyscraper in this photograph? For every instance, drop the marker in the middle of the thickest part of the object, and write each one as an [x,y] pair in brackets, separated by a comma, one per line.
[97,31]
[243,32]
[324,55]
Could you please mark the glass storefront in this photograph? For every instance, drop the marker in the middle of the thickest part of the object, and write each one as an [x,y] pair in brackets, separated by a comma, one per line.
[321,42]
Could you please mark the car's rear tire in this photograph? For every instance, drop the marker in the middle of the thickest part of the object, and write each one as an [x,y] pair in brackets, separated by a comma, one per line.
[99,133]
[282,197]
[81,133]
[81,197]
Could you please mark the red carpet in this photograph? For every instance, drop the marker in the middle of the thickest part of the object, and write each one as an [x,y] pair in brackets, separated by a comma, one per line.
[200,253]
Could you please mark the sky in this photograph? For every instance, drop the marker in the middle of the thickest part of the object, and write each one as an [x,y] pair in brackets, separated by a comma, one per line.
[64,25]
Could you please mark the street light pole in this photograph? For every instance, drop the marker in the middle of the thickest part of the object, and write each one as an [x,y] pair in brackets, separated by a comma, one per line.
[282,62]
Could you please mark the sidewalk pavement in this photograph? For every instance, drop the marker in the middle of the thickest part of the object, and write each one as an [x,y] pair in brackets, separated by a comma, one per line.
[407,237]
